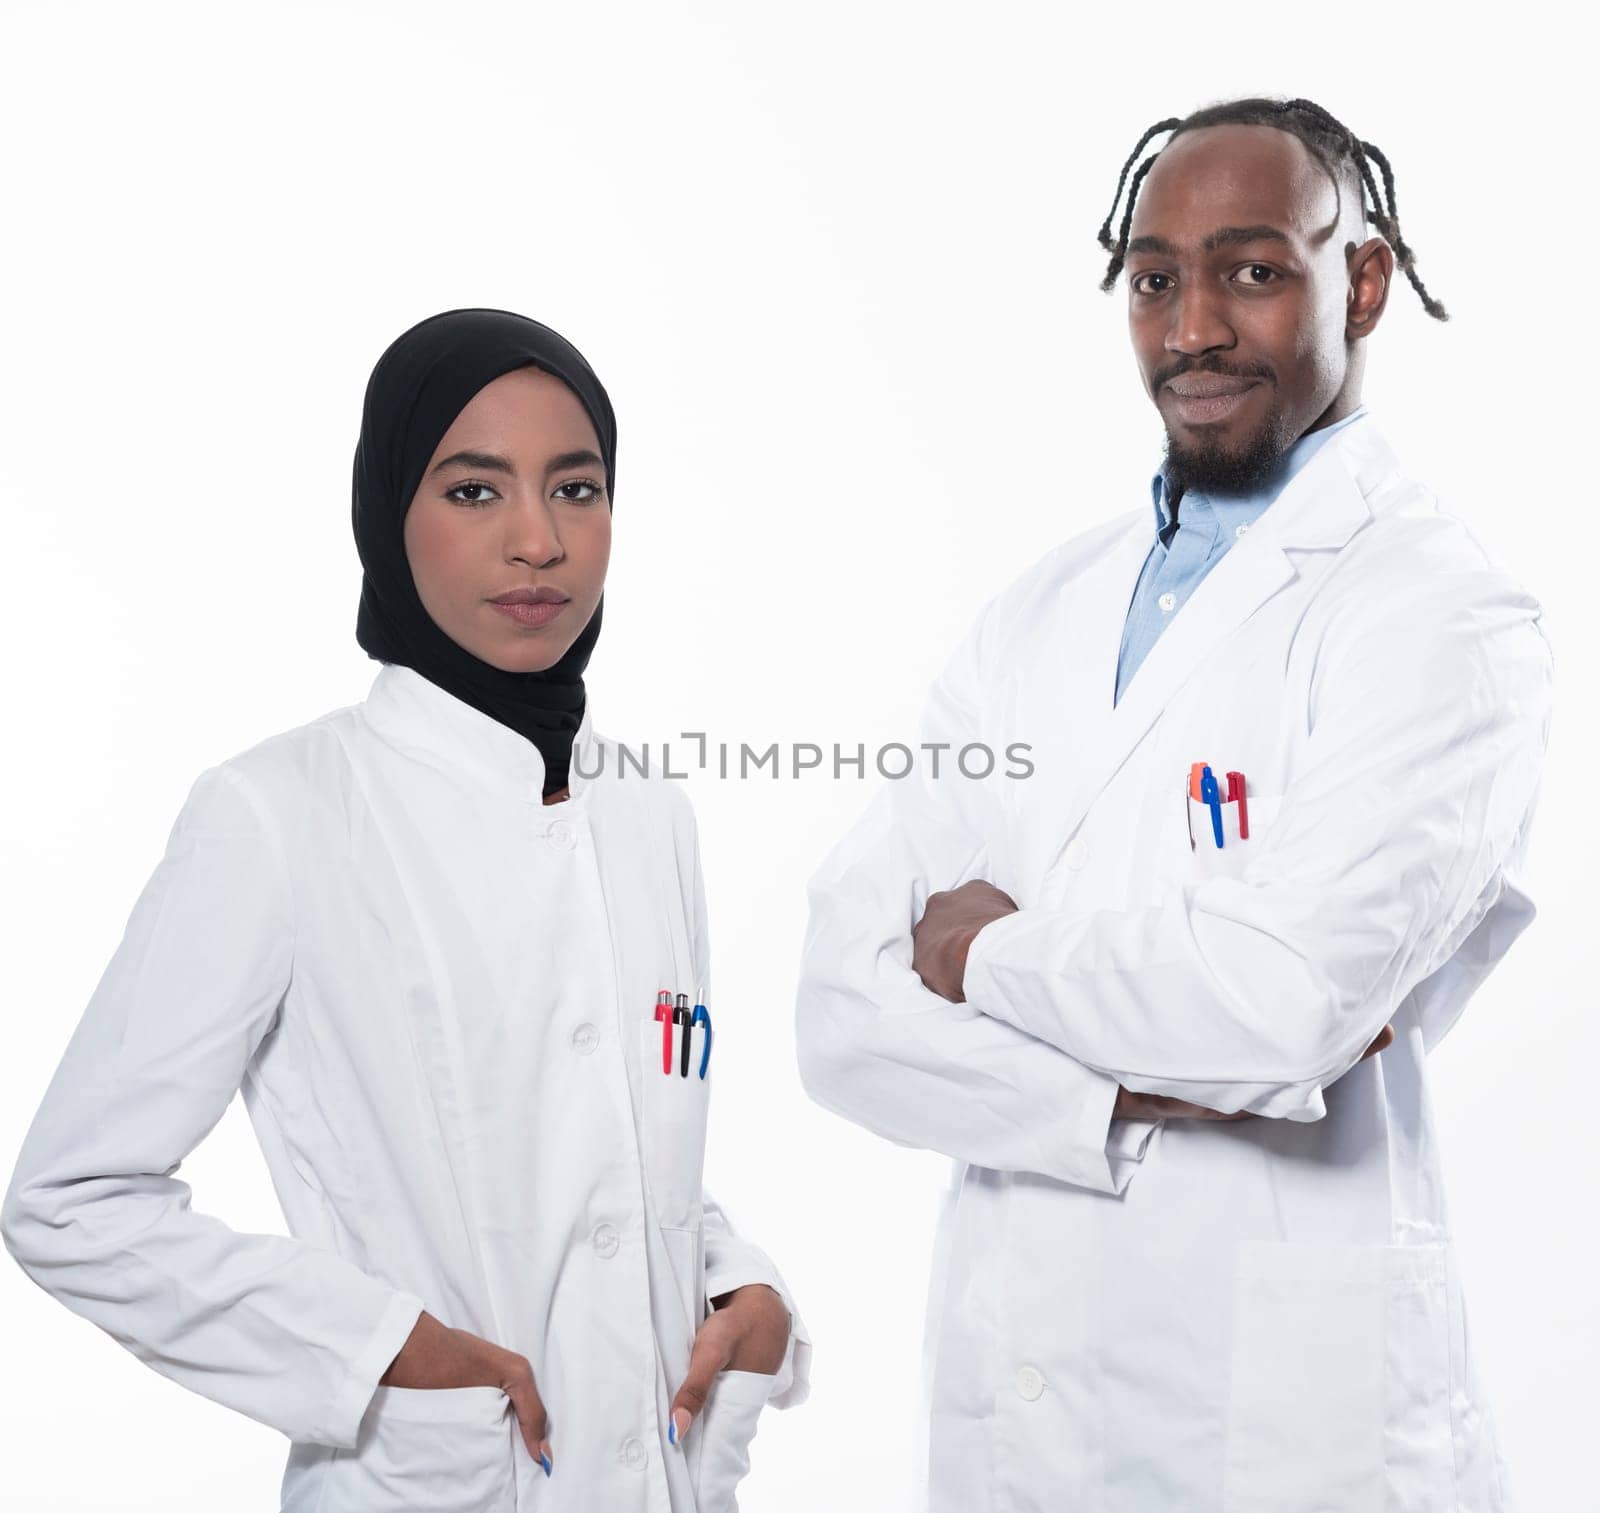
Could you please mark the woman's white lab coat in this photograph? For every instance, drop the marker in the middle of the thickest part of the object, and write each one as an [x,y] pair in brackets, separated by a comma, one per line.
[1253,1317]
[436,993]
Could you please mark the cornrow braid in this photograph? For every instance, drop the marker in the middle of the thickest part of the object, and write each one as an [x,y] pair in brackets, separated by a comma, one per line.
[1326,138]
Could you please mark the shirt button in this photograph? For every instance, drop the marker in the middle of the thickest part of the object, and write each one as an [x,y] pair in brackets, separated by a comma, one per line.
[1168,603]
[1239,530]
[605,1241]
[561,836]
[1077,853]
[1029,1383]
[632,1454]
[585,1038]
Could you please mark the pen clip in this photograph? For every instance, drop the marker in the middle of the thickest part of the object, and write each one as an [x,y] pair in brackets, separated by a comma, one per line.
[1213,801]
[680,1015]
[1236,795]
[664,1016]
[703,1016]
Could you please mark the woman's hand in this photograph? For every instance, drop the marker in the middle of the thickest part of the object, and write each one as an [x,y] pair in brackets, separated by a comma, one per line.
[435,1355]
[749,1331]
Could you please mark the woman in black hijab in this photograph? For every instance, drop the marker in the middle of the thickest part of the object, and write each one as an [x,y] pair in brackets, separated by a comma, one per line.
[419,386]
[426,935]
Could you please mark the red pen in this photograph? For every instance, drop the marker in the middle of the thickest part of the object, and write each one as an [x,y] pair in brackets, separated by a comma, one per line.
[664,1015]
[1236,795]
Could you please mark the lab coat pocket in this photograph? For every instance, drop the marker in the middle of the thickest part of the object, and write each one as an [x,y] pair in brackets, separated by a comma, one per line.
[447,1449]
[674,1109]
[1339,1389]
[726,1426]
[1237,850]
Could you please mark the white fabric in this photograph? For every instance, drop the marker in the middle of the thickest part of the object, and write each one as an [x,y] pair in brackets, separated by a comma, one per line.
[437,995]
[1218,1317]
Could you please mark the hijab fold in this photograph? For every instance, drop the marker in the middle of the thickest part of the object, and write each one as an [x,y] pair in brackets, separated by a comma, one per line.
[423,380]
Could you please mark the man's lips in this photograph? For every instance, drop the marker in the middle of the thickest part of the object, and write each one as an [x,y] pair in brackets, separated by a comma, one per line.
[1209,385]
[1208,398]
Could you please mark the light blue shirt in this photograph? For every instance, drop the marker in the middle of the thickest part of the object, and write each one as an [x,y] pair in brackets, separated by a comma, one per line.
[1186,549]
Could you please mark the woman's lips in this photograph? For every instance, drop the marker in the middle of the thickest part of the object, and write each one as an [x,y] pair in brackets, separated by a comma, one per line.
[1201,408]
[541,613]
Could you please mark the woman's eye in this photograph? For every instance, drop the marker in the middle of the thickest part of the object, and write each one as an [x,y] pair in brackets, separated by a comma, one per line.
[1140,283]
[1259,268]
[578,483]
[457,492]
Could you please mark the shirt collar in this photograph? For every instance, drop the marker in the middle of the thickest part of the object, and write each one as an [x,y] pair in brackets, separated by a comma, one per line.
[430,724]
[1210,513]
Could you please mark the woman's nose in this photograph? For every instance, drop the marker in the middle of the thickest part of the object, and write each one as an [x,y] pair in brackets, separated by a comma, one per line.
[531,534]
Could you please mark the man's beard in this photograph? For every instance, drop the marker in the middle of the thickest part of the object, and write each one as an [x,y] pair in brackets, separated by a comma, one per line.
[1208,469]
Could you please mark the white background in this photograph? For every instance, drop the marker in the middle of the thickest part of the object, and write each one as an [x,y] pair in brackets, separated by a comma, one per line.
[836,265]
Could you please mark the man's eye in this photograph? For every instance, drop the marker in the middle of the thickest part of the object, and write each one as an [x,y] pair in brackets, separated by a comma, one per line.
[1268,274]
[1141,283]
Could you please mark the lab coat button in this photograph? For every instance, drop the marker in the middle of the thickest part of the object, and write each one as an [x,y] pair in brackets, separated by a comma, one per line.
[1076,855]
[561,836]
[1029,1383]
[605,1241]
[632,1454]
[585,1038]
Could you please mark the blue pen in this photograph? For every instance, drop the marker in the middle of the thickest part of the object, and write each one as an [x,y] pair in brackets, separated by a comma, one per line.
[702,1016]
[1213,800]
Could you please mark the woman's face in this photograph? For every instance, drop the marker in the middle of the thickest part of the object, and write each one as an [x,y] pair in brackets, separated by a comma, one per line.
[514,498]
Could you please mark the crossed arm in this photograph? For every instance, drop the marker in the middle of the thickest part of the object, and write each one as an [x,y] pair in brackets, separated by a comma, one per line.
[1237,995]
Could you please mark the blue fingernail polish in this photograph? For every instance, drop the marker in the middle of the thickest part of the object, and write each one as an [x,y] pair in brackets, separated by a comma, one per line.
[672,1431]
[544,1460]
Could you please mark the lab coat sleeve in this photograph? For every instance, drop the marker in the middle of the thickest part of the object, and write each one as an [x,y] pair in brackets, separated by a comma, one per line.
[881,1049]
[292,1335]
[731,1260]
[1421,767]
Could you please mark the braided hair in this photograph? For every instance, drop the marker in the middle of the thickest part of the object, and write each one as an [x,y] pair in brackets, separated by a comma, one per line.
[1329,141]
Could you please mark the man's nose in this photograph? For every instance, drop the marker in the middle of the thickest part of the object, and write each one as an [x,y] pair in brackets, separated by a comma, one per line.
[1199,323]
[531,534]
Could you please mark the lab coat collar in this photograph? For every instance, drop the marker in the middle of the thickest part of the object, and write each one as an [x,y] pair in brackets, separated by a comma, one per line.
[1320,508]
[423,721]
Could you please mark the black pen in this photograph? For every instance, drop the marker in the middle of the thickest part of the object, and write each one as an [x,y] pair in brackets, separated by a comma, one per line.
[680,1015]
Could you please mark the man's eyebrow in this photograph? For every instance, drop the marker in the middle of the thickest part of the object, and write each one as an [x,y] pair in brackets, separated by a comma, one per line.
[493,462]
[1234,236]
[1224,236]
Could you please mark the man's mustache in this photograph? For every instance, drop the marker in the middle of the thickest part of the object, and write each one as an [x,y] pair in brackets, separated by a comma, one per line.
[1210,365]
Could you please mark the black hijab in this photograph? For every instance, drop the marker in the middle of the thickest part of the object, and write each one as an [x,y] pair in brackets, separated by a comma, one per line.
[421,383]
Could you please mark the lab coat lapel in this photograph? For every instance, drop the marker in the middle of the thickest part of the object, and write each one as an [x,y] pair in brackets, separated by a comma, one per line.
[1320,508]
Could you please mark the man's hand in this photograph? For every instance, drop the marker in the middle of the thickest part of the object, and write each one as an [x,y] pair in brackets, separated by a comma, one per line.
[1157,1106]
[749,1331]
[434,1355]
[941,939]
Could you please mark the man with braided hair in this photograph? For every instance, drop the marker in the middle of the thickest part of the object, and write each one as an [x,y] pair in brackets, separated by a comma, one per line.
[1168,1003]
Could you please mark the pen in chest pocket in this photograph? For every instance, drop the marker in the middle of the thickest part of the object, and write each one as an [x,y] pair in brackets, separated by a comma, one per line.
[1202,786]
[675,1016]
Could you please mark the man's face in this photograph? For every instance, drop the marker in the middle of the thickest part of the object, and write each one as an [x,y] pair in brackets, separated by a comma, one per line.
[1239,287]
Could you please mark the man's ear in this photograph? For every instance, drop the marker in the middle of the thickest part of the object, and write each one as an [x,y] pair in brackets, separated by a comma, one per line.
[1371,268]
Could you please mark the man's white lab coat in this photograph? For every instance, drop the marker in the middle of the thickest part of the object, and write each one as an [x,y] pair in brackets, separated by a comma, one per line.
[1253,1317]
[437,995]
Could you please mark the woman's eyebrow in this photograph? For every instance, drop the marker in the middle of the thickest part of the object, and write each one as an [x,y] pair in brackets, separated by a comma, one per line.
[493,462]
[582,458]
[489,462]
